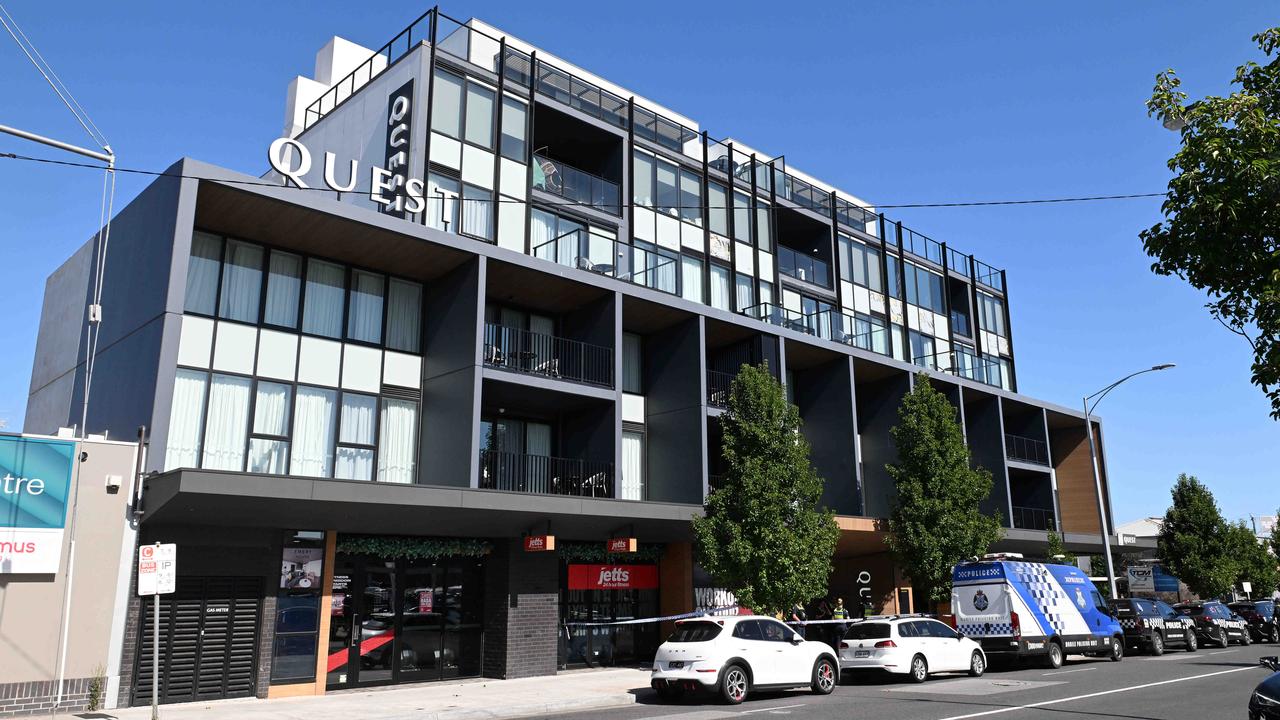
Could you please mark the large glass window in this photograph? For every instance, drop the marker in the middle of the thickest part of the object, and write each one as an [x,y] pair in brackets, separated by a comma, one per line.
[718,209]
[241,282]
[364,316]
[860,264]
[642,179]
[992,314]
[763,239]
[269,444]
[631,364]
[356,437]
[228,421]
[744,291]
[480,115]
[404,315]
[720,288]
[397,434]
[446,105]
[322,312]
[741,217]
[514,126]
[632,466]
[690,197]
[477,212]
[284,280]
[665,182]
[922,352]
[691,278]
[186,416]
[202,273]
[442,202]
[895,285]
[314,417]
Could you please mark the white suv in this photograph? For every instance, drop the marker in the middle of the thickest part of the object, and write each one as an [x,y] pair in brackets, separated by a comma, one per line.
[733,655]
[911,645]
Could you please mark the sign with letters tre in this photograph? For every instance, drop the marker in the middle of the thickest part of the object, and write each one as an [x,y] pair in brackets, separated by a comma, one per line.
[35,481]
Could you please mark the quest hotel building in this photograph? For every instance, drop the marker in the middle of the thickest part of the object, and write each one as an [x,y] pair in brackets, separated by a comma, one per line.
[417,420]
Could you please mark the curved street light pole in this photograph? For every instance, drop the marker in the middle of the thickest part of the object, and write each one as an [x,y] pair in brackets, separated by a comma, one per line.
[1097,479]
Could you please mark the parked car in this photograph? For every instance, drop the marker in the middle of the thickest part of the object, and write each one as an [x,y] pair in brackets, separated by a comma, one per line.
[733,656]
[1215,622]
[1153,625]
[912,645]
[1264,703]
[1261,617]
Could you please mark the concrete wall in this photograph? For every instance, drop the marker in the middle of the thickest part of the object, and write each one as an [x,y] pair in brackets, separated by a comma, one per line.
[58,350]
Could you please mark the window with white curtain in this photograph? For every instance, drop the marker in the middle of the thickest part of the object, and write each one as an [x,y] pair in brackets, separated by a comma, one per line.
[404,315]
[284,280]
[364,313]
[446,104]
[186,416]
[642,179]
[396,435]
[269,441]
[322,311]
[202,273]
[691,278]
[745,292]
[227,423]
[241,282]
[632,465]
[720,290]
[477,212]
[631,364]
[668,191]
[442,202]
[356,437]
[514,125]
[479,120]
[314,417]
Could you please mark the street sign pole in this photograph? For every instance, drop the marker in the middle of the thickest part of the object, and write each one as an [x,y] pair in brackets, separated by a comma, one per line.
[155,654]
[157,575]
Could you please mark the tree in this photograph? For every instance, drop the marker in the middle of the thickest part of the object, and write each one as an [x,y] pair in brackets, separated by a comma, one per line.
[764,535]
[1275,536]
[1221,231]
[936,521]
[1253,561]
[1194,540]
[1055,549]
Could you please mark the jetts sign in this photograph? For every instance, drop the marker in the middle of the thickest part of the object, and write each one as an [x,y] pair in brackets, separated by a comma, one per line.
[390,187]
[613,577]
[35,478]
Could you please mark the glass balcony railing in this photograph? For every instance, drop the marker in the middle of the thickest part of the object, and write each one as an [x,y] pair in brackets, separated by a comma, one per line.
[579,186]
[782,317]
[921,246]
[1030,518]
[653,268]
[957,261]
[545,475]
[547,355]
[988,276]
[804,267]
[1025,449]
[857,331]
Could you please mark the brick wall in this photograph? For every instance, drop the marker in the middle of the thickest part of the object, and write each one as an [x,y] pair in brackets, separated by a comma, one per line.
[522,612]
[36,697]
[266,639]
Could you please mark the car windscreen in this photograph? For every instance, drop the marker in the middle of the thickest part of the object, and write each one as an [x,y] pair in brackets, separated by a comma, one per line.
[867,631]
[1191,610]
[1245,608]
[695,632]
[1122,608]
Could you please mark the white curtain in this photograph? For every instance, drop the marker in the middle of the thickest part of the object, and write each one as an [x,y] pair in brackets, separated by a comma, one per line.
[314,412]
[568,238]
[666,269]
[632,466]
[283,282]
[241,282]
[364,321]
[202,273]
[477,212]
[359,413]
[600,248]
[442,203]
[228,424]
[268,456]
[404,315]
[354,464]
[182,448]
[746,292]
[691,279]
[322,314]
[396,447]
[538,442]
[271,409]
[542,229]
[719,287]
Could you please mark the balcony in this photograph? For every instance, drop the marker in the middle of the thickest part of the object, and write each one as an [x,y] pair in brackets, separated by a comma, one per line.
[1029,518]
[1025,449]
[714,482]
[853,330]
[960,323]
[534,353]
[574,185]
[805,268]
[545,475]
[654,269]
[718,386]
[782,317]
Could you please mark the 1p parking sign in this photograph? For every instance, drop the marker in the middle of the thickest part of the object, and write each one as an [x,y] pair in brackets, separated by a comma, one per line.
[157,569]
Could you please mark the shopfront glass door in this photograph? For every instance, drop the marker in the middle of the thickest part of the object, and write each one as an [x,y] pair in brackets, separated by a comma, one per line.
[377,624]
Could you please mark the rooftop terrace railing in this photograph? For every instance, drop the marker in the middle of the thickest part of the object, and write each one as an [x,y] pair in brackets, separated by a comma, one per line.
[579,186]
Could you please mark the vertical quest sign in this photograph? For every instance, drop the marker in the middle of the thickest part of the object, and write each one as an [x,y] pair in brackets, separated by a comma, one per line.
[399,126]
[35,479]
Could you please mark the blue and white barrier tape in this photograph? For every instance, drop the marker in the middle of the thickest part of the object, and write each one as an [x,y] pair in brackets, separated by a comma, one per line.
[640,621]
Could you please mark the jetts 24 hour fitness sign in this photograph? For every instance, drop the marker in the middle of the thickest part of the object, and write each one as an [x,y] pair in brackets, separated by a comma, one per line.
[35,479]
[390,186]
[613,577]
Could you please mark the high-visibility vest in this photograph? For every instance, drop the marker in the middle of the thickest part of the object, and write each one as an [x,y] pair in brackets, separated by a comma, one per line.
[840,614]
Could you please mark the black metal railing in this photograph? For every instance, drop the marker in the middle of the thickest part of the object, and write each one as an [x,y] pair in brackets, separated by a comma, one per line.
[547,355]
[653,268]
[1025,449]
[570,183]
[1029,518]
[545,475]
[714,482]
[802,266]
[858,331]
[718,386]
[782,317]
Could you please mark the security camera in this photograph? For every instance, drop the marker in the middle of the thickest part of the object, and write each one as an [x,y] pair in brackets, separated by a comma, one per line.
[113,484]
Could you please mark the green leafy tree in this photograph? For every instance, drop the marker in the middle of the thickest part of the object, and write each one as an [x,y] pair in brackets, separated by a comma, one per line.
[1254,562]
[936,521]
[764,535]
[1057,552]
[1194,540]
[1221,231]
[1275,536]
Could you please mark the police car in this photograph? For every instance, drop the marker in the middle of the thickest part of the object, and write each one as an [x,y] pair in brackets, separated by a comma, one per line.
[1215,622]
[1154,625]
[1018,609]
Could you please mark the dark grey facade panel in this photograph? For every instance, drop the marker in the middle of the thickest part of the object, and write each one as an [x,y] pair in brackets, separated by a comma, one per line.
[878,402]
[986,448]
[825,396]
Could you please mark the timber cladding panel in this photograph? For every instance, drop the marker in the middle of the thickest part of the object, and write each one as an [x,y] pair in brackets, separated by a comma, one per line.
[1077,496]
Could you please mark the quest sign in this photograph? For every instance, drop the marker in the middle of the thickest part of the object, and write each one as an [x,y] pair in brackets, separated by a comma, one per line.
[35,479]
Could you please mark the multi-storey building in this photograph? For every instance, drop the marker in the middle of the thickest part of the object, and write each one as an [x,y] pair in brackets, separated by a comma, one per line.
[506,307]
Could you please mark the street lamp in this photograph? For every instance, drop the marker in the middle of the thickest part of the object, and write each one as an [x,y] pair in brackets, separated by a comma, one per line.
[1097,480]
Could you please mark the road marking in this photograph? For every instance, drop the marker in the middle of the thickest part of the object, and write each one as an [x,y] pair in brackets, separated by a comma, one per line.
[769,709]
[1046,703]
[1224,652]
[1064,672]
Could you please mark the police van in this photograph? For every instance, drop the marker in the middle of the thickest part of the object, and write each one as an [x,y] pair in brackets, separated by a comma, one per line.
[1020,609]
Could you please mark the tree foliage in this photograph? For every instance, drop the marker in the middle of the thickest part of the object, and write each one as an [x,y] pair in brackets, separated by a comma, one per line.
[764,535]
[1254,563]
[1221,231]
[936,520]
[1055,548]
[1194,542]
[1275,536]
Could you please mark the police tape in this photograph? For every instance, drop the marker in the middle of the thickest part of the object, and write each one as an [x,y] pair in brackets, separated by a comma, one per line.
[711,612]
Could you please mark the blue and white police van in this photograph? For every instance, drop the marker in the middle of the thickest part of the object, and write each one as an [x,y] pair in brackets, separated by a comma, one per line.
[1019,609]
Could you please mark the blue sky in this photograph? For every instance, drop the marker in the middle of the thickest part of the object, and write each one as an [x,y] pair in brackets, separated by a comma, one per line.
[894,102]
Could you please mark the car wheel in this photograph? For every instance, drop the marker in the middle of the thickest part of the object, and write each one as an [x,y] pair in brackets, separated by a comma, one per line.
[1053,659]
[670,693]
[1117,650]
[919,669]
[1244,637]
[1275,634]
[825,675]
[1157,644]
[733,684]
[977,664]
[1221,638]
[1192,642]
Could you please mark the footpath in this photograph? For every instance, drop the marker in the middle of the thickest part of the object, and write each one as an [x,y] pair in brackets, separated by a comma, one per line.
[478,699]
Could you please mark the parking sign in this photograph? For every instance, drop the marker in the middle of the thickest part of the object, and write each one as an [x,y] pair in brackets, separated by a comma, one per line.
[157,569]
